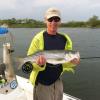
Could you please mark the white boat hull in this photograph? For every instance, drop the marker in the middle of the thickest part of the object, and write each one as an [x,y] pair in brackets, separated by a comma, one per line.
[24,91]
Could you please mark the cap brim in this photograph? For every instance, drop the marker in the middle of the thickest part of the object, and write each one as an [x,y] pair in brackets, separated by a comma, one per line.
[52,15]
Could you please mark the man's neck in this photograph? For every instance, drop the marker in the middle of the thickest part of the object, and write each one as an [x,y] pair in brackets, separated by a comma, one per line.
[52,32]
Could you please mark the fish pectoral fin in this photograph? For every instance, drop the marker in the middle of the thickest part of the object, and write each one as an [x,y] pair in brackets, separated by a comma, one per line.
[57,61]
[60,59]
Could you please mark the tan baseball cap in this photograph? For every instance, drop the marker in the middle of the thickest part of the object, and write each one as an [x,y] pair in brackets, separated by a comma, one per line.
[51,12]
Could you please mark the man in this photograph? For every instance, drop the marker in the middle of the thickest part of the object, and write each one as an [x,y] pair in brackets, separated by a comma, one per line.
[47,81]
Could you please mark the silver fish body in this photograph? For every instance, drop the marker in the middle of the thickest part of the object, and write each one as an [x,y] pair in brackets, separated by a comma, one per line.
[53,56]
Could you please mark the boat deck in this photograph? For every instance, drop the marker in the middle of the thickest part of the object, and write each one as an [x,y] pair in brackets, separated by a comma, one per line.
[24,91]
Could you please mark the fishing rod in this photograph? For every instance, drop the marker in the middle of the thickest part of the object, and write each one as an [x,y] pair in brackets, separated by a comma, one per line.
[28,67]
[96,57]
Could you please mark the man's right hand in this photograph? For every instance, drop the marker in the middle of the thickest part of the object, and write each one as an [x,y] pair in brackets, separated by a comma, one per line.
[41,60]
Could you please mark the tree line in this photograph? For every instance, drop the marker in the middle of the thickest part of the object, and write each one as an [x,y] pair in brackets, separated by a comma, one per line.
[92,22]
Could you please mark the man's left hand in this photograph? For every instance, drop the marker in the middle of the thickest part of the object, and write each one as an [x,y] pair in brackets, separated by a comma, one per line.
[75,61]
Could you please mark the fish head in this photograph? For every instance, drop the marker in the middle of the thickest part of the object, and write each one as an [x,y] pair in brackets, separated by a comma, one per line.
[71,55]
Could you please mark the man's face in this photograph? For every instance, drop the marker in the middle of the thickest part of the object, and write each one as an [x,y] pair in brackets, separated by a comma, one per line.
[53,23]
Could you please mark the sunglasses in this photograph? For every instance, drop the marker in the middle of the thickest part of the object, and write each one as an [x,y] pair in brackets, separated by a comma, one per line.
[55,19]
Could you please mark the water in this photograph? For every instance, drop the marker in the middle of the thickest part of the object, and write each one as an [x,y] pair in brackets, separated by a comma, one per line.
[85,83]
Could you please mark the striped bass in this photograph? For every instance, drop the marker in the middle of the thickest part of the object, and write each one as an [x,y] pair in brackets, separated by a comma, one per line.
[52,56]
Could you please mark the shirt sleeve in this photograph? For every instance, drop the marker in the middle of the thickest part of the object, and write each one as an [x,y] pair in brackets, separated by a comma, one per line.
[34,47]
[68,66]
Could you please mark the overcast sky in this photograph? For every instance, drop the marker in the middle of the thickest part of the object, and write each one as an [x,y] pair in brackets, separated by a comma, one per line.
[77,10]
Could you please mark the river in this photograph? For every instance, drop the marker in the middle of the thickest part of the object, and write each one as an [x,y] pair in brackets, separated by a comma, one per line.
[85,82]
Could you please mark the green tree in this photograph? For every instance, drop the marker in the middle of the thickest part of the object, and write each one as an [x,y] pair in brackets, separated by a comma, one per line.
[93,21]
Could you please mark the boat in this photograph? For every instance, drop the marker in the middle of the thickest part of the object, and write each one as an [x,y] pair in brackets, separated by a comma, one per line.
[12,86]
[24,91]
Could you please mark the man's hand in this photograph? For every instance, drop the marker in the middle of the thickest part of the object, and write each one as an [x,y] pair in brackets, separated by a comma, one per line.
[75,61]
[41,60]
